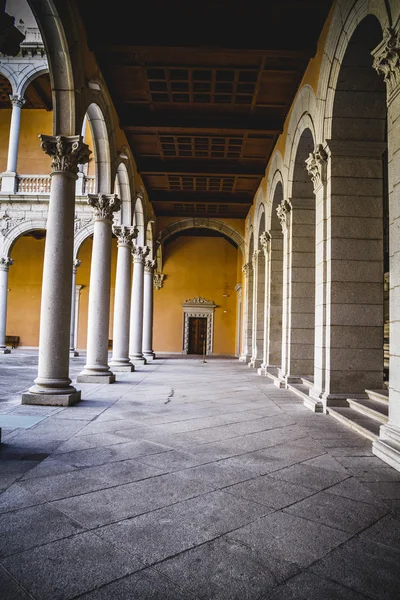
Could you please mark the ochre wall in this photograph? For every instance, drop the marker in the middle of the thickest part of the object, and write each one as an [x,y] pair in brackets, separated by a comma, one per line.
[25,285]
[196,266]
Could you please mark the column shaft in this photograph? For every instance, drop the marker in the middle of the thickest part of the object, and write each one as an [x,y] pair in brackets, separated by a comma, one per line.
[72,351]
[5,262]
[148,352]
[136,327]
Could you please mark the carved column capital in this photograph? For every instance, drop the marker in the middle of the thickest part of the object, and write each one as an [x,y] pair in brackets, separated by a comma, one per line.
[246,268]
[77,263]
[139,253]
[158,280]
[104,205]
[5,263]
[283,211]
[66,152]
[265,239]
[387,60]
[17,100]
[125,235]
[316,166]
[149,266]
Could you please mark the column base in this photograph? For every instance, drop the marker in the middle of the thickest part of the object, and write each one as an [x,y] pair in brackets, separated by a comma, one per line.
[95,377]
[5,351]
[149,356]
[387,446]
[73,353]
[244,358]
[42,399]
[138,361]
[122,368]
[254,363]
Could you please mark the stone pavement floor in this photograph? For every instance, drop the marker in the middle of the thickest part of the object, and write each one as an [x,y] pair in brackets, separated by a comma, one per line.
[189,480]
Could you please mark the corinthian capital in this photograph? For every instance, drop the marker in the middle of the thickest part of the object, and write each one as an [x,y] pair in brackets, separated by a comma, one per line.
[316,166]
[125,235]
[265,239]
[5,263]
[104,205]
[77,263]
[66,151]
[139,253]
[149,266]
[283,211]
[387,59]
[17,100]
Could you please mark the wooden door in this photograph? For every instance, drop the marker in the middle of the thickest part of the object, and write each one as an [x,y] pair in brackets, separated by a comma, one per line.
[197,335]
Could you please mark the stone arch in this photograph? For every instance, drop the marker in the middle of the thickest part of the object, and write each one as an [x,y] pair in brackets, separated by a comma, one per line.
[298,135]
[102,152]
[82,235]
[275,291]
[258,261]
[28,74]
[139,221]
[123,190]
[19,230]
[202,223]
[150,238]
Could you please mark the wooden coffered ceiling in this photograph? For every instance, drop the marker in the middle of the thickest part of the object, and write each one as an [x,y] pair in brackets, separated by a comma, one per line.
[202,90]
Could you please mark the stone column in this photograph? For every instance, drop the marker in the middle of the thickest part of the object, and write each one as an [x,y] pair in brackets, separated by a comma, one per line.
[284,211]
[120,356]
[254,263]
[316,165]
[9,178]
[148,307]
[5,263]
[387,62]
[72,351]
[96,369]
[139,254]
[238,289]
[53,385]
[77,300]
[247,313]
[265,240]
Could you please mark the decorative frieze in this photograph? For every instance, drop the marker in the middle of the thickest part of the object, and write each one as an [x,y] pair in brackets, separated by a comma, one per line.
[66,152]
[283,211]
[158,280]
[7,222]
[5,263]
[149,266]
[316,166]
[80,223]
[387,60]
[198,307]
[198,300]
[125,235]
[139,253]
[104,205]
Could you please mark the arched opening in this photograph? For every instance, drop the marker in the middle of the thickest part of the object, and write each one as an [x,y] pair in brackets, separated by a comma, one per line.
[97,137]
[138,221]
[248,308]
[122,189]
[358,233]
[274,356]
[149,239]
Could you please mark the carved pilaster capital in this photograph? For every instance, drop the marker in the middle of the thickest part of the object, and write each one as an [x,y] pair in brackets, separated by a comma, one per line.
[104,205]
[139,253]
[254,258]
[246,268]
[283,211]
[17,100]
[265,239]
[125,235]
[149,266]
[158,280]
[5,263]
[77,263]
[387,60]
[316,166]
[66,152]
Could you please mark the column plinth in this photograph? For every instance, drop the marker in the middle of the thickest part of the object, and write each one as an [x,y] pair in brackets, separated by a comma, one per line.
[148,310]
[120,361]
[5,263]
[53,385]
[139,254]
[96,369]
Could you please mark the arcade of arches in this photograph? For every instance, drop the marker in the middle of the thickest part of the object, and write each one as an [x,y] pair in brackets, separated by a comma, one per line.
[302,281]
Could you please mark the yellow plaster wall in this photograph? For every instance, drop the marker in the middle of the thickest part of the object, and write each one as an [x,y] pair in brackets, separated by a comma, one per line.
[196,266]
[25,285]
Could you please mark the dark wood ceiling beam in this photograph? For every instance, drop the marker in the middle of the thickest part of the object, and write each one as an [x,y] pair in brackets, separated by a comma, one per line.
[107,50]
[200,197]
[204,125]
[150,166]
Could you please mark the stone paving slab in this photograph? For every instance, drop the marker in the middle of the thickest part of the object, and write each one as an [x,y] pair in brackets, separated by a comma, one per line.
[227,489]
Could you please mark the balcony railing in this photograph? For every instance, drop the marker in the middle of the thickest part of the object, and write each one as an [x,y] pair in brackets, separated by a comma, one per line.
[40,184]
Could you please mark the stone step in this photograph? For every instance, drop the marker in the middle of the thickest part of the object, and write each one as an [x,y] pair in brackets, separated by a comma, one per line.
[302,390]
[379,396]
[375,409]
[366,426]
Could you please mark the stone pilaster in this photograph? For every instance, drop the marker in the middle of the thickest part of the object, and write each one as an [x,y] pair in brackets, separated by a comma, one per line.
[258,304]
[97,369]
[265,242]
[120,357]
[53,385]
[9,178]
[247,313]
[5,263]
[148,307]
[387,62]
[139,254]
[72,350]
[284,215]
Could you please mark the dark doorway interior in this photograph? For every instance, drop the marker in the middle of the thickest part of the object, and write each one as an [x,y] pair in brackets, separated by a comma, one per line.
[197,335]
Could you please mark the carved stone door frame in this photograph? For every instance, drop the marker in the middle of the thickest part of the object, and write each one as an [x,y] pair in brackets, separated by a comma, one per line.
[198,307]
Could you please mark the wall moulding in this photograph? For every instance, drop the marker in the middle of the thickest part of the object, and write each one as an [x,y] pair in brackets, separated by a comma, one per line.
[198,307]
